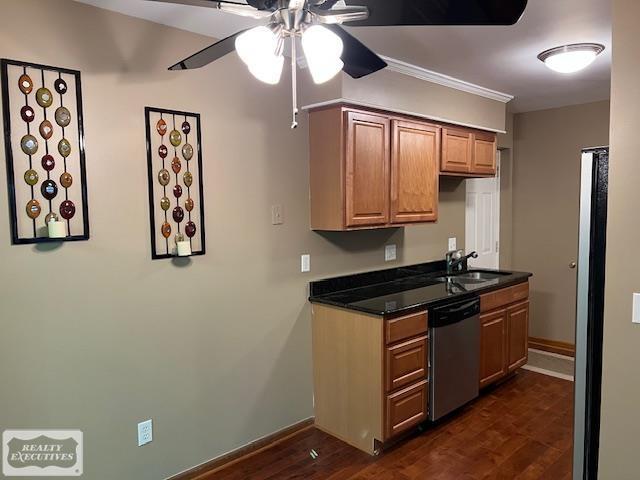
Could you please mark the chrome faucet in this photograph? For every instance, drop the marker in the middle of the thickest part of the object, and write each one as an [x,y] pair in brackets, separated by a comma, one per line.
[457,262]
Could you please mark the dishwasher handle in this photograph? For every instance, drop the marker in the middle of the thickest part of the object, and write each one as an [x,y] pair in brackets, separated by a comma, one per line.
[449,314]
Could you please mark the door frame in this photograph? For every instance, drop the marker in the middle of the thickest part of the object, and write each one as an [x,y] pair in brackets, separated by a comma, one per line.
[496,222]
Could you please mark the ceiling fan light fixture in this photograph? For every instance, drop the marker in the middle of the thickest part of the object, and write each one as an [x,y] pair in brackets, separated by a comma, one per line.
[268,69]
[571,58]
[322,49]
[260,49]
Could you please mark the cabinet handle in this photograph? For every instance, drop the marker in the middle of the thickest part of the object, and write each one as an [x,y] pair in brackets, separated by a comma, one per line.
[572,265]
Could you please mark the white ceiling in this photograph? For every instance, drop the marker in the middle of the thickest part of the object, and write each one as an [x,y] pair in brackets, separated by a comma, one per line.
[499,58]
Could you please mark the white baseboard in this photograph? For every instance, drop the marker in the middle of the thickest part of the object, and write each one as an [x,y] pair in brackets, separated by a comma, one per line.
[550,373]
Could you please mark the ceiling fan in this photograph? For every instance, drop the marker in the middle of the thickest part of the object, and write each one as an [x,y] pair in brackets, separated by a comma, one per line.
[327,47]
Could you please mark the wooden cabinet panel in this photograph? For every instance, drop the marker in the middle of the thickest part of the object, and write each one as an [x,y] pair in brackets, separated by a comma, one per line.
[406,363]
[457,150]
[496,299]
[484,154]
[493,358]
[517,335]
[520,292]
[415,158]
[367,169]
[406,408]
[402,328]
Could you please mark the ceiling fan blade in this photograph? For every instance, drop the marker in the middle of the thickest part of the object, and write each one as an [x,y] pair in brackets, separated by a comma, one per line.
[339,14]
[358,60]
[235,8]
[199,3]
[208,54]
[440,12]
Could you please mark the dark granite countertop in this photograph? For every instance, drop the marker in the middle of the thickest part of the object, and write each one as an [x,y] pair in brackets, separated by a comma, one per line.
[403,289]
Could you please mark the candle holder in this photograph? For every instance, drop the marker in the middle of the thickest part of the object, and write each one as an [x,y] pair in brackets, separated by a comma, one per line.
[183,247]
[55,227]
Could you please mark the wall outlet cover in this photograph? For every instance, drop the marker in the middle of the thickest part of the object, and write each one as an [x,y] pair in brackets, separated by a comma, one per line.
[145,432]
[636,308]
[453,243]
[305,263]
[390,252]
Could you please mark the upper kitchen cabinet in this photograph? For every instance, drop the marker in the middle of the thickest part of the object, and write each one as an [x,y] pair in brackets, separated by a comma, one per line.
[371,169]
[468,153]
[366,170]
[414,172]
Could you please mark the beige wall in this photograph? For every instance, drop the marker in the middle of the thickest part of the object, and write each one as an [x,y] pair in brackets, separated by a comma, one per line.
[546,183]
[395,91]
[97,336]
[620,427]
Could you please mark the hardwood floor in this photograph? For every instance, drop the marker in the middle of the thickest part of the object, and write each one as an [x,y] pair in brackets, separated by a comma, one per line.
[521,429]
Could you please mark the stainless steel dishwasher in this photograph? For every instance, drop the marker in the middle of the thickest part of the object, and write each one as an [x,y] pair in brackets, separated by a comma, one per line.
[454,331]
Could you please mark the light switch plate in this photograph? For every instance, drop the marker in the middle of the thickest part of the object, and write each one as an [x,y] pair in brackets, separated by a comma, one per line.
[390,252]
[145,432]
[277,217]
[305,263]
[453,244]
[636,308]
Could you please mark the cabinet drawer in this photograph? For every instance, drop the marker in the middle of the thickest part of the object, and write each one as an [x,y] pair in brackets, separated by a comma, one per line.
[406,363]
[406,409]
[401,328]
[503,297]
[520,292]
[493,300]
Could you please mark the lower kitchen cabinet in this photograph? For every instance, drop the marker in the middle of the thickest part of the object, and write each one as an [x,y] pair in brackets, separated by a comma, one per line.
[518,335]
[504,327]
[493,357]
[370,374]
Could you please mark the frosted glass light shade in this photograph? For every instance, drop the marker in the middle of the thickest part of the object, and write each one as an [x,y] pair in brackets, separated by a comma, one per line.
[268,69]
[322,49]
[256,48]
[571,58]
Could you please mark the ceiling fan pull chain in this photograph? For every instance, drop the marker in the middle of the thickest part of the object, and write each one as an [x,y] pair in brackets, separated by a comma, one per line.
[294,82]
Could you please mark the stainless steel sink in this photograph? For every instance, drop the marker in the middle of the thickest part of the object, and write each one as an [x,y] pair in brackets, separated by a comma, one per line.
[459,279]
[472,277]
[479,275]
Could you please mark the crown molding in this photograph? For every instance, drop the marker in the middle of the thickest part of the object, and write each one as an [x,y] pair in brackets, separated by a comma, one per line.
[433,118]
[445,80]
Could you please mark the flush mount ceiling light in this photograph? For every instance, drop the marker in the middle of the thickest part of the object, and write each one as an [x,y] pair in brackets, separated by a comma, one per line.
[327,47]
[571,58]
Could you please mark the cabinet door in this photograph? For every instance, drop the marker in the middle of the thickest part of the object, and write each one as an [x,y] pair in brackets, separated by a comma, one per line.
[484,154]
[517,335]
[493,358]
[457,150]
[415,156]
[367,169]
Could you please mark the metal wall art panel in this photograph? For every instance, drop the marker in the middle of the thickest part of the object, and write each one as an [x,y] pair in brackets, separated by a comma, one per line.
[44,146]
[176,200]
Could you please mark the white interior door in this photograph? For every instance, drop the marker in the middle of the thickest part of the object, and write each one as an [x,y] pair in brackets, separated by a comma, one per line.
[483,220]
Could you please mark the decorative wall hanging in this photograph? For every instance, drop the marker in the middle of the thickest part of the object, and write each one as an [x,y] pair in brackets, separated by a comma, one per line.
[44,146]
[174,159]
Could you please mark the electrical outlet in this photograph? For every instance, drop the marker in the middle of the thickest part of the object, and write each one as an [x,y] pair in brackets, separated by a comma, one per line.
[636,308]
[145,432]
[389,253]
[453,243]
[277,217]
[305,263]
